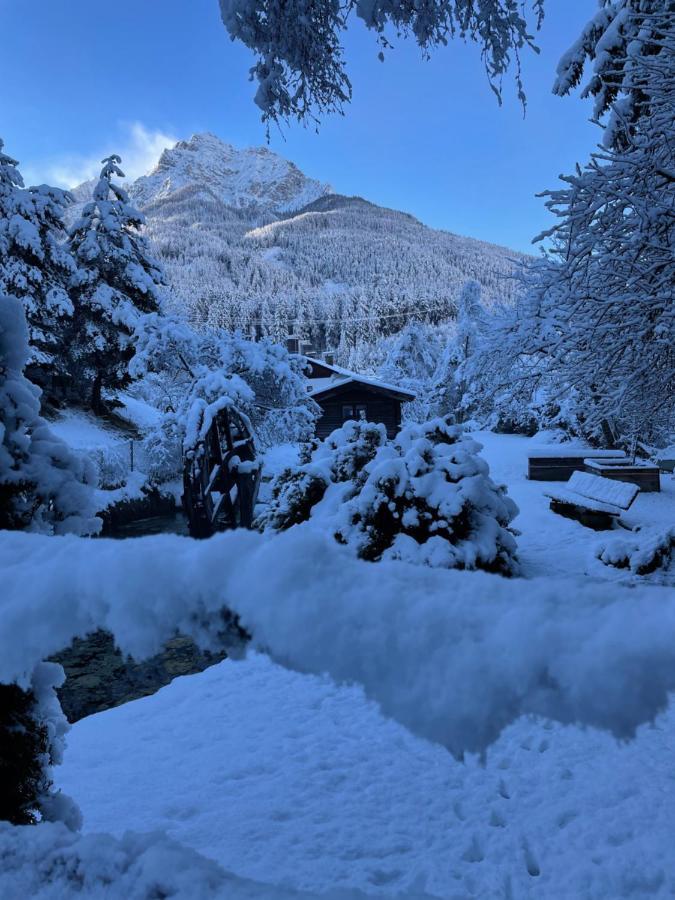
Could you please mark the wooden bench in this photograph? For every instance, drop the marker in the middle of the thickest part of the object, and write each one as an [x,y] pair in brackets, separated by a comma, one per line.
[557,463]
[594,501]
[646,477]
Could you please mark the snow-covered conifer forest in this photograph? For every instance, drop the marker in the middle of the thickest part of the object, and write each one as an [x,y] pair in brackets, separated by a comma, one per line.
[337,552]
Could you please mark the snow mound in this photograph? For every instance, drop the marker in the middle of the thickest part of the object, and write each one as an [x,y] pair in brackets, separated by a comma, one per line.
[454,656]
[48,862]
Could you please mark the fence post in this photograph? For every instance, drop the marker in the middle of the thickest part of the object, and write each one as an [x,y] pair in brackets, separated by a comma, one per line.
[131,455]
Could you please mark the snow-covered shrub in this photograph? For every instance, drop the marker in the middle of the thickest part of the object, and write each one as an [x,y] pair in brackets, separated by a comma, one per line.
[347,450]
[24,743]
[454,656]
[641,554]
[295,493]
[32,727]
[112,466]
[43,485]
[340,458]
[427,498]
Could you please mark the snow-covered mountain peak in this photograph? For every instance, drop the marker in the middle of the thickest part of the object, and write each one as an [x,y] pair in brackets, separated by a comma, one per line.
[252,177]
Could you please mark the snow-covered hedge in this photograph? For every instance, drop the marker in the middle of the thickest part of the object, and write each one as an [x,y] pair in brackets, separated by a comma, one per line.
[425,497]
[642,553]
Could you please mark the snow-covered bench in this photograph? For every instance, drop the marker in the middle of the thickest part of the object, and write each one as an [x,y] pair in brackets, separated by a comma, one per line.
[557,463]
[592,500]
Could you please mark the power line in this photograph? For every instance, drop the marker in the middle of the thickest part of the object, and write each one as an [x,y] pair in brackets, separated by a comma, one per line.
[374,318]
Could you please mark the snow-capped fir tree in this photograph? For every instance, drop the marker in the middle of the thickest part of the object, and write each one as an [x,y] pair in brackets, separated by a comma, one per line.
[118,281]
[467,343]
[43,485]
[426,497]
[410,363]
[36,267]
[601,308]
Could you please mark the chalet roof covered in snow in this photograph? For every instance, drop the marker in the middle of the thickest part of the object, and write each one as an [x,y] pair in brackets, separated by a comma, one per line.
[325,377]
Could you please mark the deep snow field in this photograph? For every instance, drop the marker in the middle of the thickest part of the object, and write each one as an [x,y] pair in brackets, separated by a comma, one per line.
[297,783]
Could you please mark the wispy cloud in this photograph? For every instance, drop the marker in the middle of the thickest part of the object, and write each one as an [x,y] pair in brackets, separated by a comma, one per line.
[139,147]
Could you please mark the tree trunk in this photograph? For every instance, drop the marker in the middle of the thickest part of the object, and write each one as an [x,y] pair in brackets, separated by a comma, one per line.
[96,401]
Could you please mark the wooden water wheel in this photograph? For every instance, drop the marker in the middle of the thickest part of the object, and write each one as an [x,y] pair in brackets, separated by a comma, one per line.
[221,475]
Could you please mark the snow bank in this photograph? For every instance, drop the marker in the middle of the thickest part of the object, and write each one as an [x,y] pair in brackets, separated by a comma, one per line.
[454,656]
[288,778]
[48,862]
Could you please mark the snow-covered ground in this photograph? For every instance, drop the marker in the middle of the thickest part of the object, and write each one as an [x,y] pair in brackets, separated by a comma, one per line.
[290,780]
[549,544]
[83,431]
[295,782]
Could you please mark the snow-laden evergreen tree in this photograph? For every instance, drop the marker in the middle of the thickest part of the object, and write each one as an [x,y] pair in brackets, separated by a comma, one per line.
[117,282]
[599,320]
[426,497]
[300,68]
[43,485]
[466,346]
[410,363]
[36,267]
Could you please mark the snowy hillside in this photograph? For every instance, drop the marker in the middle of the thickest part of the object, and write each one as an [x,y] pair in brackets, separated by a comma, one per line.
[250,242]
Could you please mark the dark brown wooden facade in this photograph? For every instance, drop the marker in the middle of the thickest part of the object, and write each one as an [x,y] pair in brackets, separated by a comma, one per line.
[344,395]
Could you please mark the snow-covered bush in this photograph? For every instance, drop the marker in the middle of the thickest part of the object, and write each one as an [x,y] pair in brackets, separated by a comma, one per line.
[24,743]
[454,656]
[642,554]
[295,493]
[43,485]
[425,497]
[428,498]
[183,370]
[32,730]
[112,466]
[340,458]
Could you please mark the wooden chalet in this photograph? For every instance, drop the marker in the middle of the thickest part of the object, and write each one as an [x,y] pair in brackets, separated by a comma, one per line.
[344,395]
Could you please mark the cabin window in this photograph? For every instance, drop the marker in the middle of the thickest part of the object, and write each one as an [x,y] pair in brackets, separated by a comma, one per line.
[357,411]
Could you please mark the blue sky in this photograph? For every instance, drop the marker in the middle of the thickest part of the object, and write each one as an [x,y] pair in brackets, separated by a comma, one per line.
[82,79]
